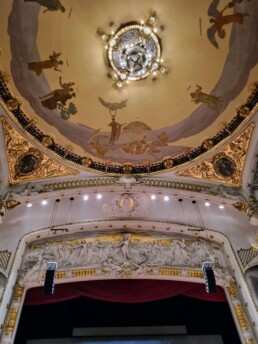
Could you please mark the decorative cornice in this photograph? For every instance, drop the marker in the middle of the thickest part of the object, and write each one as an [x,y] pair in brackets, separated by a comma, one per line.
[221,191]
[232,156]
[19,149]
[13,107]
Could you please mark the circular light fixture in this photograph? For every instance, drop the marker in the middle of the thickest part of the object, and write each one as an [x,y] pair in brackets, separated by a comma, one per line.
[153,197]
[44,202]
[221,206]
[85,197]
[134,52]
[166,198]
[99,196]
[207,204]
[29,205]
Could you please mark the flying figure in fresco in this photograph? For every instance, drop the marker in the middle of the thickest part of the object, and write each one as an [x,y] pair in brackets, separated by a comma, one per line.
[53,62]
[51,5]
[51,100]
[113,106]
[200,97]
[219,20]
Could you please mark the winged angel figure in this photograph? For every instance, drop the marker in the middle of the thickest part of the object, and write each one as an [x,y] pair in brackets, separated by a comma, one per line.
[219,20]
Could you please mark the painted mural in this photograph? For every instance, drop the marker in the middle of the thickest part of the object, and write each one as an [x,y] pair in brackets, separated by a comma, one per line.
[58,67]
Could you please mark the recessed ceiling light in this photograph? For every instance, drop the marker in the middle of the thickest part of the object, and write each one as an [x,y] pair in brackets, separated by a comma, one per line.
[44,202]
[153,197]
[166,198]
[85,197]
[221,206]
[99,196]
[29,205]
[207,204]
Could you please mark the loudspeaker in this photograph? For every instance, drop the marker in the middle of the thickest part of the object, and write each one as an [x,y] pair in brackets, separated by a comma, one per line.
[210,282]
[49,278]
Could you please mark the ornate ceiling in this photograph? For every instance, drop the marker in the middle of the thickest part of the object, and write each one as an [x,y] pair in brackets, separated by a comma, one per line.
[177,149]
[66,87]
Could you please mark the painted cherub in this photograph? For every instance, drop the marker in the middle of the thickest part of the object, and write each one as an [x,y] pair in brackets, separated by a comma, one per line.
[200,97]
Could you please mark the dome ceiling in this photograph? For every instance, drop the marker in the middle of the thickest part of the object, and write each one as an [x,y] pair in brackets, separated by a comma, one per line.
[60,71]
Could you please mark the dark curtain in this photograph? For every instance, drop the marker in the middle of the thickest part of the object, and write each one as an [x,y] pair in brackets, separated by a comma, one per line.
[125,291]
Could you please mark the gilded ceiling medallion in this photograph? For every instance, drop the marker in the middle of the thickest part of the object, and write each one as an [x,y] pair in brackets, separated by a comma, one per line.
[226,166]
[28,162]
[134,51]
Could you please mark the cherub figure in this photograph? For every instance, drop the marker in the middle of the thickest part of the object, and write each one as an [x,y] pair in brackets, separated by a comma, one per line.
[219,20]
[51,5]
[51,99]
[53,62]
[200,97]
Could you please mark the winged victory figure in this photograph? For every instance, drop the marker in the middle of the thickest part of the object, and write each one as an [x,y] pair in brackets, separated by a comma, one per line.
[113,106]
[219,20]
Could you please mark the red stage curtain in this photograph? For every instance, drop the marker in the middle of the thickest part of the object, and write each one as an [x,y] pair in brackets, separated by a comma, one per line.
[128,291]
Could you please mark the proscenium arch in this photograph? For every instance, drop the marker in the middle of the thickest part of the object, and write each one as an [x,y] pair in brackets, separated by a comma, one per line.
[148,229]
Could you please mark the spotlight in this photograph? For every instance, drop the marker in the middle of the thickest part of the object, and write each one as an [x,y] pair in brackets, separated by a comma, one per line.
[99,196]
[85,197]
[221,206]
[44,202]
[166,198]
[29,205]
[153,197]
[207,204]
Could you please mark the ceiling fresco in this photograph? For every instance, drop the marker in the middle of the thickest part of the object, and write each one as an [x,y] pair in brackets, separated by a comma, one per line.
[60,69]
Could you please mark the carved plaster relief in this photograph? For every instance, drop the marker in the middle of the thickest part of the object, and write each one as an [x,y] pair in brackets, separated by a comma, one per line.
[127,204]
[122,255]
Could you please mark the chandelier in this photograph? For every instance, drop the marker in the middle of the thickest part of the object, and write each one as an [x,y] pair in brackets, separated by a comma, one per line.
[133,51]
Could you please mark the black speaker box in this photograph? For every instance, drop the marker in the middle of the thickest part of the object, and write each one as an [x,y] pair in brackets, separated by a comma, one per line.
[210,280]
[49,282]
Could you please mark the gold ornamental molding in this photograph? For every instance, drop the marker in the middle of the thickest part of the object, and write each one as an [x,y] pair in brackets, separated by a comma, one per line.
[27,163]
[225,166]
